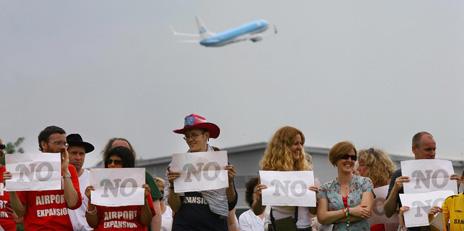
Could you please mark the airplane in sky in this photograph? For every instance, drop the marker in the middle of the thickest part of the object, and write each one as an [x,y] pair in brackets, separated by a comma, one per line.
[252,31]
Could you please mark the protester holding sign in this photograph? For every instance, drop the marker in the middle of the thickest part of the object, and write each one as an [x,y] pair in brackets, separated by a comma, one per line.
[48,210]
[131,217]
[423,147]
[201,210]
[166,211]
[377,166]
[155,192]
[7,216]
[285,152]
[346,201]
[248,220]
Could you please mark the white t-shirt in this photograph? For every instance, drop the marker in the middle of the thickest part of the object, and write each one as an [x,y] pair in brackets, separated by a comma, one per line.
[77,216]
[248,221]
[304,216]
[166,219]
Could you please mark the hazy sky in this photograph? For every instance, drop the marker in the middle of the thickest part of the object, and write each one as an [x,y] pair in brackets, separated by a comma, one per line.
[373,72]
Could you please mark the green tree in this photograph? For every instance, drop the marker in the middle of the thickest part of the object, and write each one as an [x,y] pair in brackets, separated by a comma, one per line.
[14,147]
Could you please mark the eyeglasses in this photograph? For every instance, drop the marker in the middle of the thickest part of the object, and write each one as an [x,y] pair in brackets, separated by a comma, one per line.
[2,146]
[59,143]
[111,161]
[192,136]
[348,156]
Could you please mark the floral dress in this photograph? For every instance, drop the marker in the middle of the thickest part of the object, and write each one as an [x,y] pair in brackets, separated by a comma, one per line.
[331,192]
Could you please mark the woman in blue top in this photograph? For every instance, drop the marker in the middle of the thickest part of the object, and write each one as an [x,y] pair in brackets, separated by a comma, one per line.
[345,202]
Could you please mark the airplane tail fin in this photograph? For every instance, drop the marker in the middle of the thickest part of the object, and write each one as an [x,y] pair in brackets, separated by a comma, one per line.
[202,30]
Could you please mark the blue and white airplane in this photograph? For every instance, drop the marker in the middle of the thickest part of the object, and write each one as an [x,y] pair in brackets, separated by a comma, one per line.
[252,31]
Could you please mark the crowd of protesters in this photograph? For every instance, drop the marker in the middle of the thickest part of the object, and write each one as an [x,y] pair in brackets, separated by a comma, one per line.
[343,203]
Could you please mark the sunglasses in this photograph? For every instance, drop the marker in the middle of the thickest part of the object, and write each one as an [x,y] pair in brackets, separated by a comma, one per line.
[2,146]
[111,161]
[348,156]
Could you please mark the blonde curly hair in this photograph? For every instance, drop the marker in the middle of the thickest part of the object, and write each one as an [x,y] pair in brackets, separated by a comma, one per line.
[278,156]
[380,166]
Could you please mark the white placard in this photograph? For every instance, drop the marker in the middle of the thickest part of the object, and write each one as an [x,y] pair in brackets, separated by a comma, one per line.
[117,186]
[200,171]
[288,188]
[33,172]
[419,205]
[378,214]
[428,175]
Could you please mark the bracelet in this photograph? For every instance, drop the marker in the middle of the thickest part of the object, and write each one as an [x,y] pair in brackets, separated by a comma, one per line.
[67,175]
[347,214]
[94,211]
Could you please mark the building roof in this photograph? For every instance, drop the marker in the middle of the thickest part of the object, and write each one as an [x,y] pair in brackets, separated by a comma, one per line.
[261,146]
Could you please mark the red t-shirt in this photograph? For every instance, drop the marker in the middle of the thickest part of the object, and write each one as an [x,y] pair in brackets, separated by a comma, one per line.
[47,210]
[378,227]
[122,218]
[6,219]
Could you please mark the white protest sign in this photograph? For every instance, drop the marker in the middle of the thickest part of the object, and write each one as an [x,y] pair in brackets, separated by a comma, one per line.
[378,214]
[419,205]
[33,172]
[428,176]
[288,188]
[200,171]
[117,186]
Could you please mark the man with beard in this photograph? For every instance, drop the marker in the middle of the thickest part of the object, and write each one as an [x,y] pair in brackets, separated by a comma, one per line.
[48,210]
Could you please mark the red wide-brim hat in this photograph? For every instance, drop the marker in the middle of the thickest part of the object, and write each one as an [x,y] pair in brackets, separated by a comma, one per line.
[193,121]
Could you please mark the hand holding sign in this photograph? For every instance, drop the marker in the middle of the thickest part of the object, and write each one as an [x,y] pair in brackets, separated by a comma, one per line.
[7,175]
[258,189]
[400,180]
[230,172]
[172,176]
[88,192]
[147,190]
[434,210]
[64,160]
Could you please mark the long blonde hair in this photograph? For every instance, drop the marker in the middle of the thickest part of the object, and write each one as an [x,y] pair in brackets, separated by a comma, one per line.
[278,156]
[380,166]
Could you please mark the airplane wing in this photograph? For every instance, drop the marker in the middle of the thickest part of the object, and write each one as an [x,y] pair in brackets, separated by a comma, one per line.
[184,34]
[252,37]
[188,41]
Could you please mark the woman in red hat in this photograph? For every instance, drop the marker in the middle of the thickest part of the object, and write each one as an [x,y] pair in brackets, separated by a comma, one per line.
[205,210]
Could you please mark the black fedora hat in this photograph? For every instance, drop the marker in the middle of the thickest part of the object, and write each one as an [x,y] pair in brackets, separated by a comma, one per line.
[76,140]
